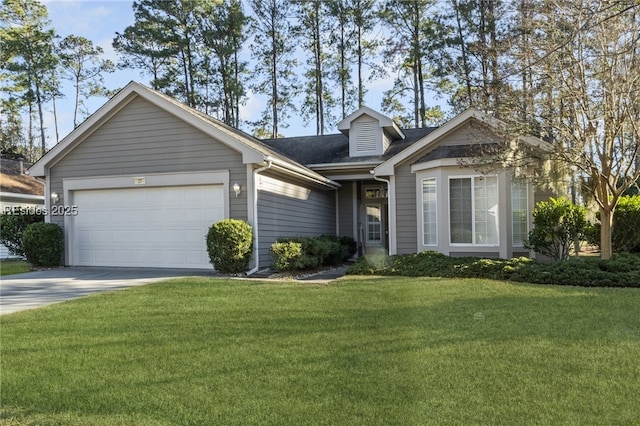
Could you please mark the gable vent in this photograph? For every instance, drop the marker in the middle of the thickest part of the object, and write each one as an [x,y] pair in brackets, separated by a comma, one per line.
[366,132]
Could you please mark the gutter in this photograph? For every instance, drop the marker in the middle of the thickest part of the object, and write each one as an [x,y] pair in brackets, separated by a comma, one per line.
[256,251]
[302,172]
[7,195]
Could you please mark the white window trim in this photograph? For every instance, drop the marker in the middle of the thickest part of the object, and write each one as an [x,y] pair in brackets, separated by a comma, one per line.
[473,209]
[435,179]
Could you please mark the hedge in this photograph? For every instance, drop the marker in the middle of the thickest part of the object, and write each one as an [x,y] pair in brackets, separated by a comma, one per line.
[300,253]
[622,270]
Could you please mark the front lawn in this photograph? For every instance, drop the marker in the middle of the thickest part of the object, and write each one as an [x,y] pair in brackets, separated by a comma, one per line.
[12,267]
[361,351]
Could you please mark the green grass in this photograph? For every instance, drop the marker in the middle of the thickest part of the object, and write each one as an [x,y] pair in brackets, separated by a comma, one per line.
[361,351]
[12,267]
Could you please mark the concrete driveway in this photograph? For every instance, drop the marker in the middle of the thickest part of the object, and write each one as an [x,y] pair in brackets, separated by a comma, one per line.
[35,289]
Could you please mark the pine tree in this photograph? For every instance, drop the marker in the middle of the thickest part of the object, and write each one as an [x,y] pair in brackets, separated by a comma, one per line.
[274,74]
[81,63]
[222,27]
[413,34]
[27,52]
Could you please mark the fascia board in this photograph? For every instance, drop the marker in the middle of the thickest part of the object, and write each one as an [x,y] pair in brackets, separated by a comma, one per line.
[344,166]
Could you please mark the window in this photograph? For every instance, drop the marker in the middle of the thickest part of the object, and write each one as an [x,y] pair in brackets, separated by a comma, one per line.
[375,192]
[429,213]
[473,210]
[374,223]
[519,212]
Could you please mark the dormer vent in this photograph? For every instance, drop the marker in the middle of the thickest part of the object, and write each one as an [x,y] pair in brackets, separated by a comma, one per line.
[366,136]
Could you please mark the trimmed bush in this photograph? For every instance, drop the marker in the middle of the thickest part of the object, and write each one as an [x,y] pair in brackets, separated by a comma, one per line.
[625,234]
[43,244]
[12,226]
[286,255]
[229,244]
[557,225]
[300,253]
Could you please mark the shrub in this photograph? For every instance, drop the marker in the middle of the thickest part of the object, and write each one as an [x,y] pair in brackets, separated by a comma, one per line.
[622,270]
[43,244]
[12,226]
[286,255]
[229,244]
[625,233]
[325,250]
[557,224]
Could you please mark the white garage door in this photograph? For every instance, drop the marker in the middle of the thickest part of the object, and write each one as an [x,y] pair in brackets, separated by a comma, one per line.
[145,227]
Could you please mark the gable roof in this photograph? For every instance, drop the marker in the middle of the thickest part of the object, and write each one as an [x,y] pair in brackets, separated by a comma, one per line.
[252,149]
[387,168]
[14,180]
[385,122]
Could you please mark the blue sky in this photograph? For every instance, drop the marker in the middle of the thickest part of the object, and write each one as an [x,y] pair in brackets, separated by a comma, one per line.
[99,20]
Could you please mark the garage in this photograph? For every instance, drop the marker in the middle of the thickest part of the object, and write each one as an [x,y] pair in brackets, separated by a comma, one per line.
[144,227]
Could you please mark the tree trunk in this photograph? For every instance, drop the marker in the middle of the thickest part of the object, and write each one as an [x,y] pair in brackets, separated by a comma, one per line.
[274,84]
[606,220]
[463,49]
[39,102]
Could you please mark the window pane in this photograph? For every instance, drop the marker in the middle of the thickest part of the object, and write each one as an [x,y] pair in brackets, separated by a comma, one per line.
[486,209]
[460,210]
[519,213]
[374,222]
[429,206]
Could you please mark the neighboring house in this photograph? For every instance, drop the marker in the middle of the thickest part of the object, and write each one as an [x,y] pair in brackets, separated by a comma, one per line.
[141,180]
[18,190]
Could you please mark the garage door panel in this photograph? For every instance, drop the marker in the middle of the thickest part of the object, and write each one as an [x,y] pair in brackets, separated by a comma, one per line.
[147,227]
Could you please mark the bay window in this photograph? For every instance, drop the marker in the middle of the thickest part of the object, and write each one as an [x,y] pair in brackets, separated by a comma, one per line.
[473,210]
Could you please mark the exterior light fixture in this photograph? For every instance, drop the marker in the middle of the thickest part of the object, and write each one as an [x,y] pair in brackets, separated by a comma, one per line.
[236,188]
[55,197]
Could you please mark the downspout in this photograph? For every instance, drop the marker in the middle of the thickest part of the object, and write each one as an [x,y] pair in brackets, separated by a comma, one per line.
[256,252]
[389,215]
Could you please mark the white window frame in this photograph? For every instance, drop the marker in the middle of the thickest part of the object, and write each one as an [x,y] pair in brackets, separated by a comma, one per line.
[473,242]
[435,185]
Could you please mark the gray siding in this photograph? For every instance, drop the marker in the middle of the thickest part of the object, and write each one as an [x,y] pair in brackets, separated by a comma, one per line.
[281,215]
[142,138]
[406,215]
[345,210]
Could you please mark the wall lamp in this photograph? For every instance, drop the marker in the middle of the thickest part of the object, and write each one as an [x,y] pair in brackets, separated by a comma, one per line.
[55,197]
[236,188]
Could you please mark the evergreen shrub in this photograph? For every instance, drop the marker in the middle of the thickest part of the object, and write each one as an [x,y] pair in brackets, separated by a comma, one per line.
[557,224]
[12,226]
[229,245]
[43,244]
[300,253]
[622,270]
